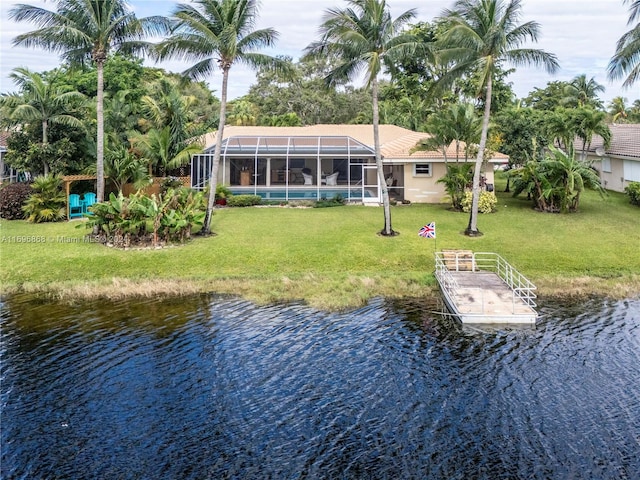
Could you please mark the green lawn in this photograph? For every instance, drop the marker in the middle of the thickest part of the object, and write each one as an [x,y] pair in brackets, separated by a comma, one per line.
[333,257]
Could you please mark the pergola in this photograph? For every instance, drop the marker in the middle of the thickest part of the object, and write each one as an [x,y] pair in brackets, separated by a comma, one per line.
[69,179]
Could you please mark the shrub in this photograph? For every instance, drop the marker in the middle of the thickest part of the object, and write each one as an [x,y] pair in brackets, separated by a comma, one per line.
[336,201]
[486,203]
[12,198]
[169,183]
[47,203]
[244,200]
[142,219]
[633,191]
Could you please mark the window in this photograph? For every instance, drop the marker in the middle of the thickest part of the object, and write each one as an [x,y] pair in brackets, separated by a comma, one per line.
[422,170]
[606,165]
[631,170]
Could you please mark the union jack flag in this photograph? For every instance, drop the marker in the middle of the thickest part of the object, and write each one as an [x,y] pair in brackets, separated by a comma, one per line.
[428,231]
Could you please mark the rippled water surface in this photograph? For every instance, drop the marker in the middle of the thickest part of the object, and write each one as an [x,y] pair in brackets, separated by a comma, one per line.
[216,388]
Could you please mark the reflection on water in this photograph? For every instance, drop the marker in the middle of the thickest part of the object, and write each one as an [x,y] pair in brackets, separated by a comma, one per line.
[210,387]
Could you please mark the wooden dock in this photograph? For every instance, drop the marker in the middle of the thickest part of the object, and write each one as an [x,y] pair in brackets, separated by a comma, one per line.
[483,288]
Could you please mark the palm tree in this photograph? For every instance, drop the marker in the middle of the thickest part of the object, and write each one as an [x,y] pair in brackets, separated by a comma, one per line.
[618,109]
[626,60]
[582,92]
[365,37]
[40,101]
[218,33]
[482,34]
[589,122]
[87,30]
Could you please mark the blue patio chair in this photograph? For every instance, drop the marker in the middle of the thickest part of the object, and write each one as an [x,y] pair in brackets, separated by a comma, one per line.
[88,199]
[76,208]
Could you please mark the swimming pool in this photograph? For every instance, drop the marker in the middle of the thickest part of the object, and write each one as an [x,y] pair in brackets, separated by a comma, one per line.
[306,194]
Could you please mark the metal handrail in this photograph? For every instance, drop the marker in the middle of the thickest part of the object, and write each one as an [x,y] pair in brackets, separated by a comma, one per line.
[520,286]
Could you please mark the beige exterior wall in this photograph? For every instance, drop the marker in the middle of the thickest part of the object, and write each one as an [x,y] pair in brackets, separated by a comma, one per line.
[613,180]
[425,189]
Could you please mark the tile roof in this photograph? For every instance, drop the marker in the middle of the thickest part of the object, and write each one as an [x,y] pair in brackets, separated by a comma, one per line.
[625,141]
[395,142]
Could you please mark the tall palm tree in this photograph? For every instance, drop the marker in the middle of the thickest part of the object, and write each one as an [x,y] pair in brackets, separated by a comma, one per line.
[40,100]
[589,122]
[218,33]
[83,31]
[618,108]
[364,37]
[626,60]
[582,92]
[482,35]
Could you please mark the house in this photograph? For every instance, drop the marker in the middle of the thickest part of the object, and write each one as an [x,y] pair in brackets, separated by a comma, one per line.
[286,163]
[619,163]
[7,174]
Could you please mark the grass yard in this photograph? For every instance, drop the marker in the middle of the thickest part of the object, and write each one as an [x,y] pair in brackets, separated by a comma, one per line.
[332,257]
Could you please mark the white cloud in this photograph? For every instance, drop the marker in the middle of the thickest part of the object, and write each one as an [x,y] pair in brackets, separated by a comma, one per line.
[582,34]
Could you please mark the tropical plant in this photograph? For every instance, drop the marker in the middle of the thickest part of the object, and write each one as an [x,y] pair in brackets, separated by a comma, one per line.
[581,92]
[618,109]
[41,101]
[633,191]
[365,37]
[87,30]
[589,122]
[457,181]
[457,123]
[482,34]
[556,182]
[122,166]
[487,203]
[626,60]
[48,201]
[160,151]
[147,219]
[218,32]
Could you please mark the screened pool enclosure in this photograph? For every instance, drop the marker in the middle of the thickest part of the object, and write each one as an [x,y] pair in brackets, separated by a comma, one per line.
[292,167]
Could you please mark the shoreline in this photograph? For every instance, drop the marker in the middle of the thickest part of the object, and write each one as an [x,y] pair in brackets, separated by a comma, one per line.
[322,293]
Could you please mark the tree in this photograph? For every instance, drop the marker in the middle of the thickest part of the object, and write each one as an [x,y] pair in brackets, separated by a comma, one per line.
[41,102]
[556,182]
[618,109]
[626,60]
[365,37]
[87,30]
[581,92]
[217,32]
[589,122]
[483,34]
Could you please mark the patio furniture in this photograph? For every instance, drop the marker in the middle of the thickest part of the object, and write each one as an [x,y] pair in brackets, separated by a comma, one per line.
[308,177]
[76,208]
[331,179]
[88,199]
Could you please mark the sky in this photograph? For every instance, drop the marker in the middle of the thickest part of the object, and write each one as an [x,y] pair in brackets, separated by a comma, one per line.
[581,33]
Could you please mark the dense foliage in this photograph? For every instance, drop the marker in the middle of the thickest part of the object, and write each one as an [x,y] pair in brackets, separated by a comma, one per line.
[143,220]
[48,202]
[12,198]
[633,192]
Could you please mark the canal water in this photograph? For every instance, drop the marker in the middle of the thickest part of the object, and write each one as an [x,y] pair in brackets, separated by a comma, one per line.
[218,388]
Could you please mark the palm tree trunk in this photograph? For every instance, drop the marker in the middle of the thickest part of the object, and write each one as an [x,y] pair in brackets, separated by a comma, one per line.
[100,134]
[472,228]
[45,141]
[387,230]
[213,179]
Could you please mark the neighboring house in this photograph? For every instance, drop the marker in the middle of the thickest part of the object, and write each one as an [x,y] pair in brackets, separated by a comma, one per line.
[618,164]
[284,163]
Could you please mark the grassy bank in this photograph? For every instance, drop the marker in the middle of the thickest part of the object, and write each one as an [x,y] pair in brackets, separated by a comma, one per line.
[332,258]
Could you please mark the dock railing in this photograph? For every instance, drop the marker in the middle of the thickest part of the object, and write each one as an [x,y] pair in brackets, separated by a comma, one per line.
[465,260]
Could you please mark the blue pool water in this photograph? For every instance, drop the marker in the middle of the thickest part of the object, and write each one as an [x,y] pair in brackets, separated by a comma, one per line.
[304,194]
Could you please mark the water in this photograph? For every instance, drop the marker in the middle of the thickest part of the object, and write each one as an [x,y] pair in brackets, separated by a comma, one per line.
[209,387]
